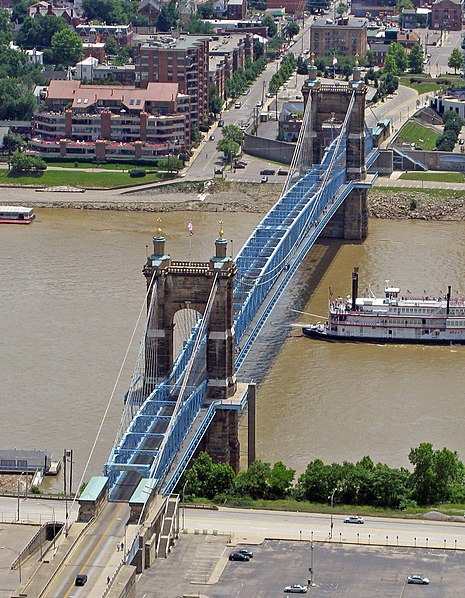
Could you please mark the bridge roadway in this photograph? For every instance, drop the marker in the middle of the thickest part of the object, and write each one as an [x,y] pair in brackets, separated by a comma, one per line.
[90,549]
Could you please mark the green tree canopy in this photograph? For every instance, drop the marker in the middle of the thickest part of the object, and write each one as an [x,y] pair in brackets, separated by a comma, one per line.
[215,102]
[208,479]
[291,29]
[12,142]
[268,21]
[456,60]
[108,11]
[168,17]
[229,148]
[396,60]
[437,475]
[195,25]
[415,59]
[38,32]
[66,47]
[20,163]
[5,28]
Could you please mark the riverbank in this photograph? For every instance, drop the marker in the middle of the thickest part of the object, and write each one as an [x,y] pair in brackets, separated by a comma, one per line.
[224,196]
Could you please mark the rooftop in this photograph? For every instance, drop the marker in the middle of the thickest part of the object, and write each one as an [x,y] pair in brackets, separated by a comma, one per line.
[351,22]
[167,42]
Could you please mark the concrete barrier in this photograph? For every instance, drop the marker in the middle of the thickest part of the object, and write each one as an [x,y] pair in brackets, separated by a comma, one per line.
[268,149]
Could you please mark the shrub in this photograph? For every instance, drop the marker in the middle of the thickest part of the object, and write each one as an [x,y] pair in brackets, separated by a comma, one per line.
[136,173]
[413,204]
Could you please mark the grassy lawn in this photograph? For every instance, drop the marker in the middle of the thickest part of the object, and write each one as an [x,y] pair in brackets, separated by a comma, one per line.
[90,180]
[440,177]
[427,87]
[436,193]
[88,165]
[421,136]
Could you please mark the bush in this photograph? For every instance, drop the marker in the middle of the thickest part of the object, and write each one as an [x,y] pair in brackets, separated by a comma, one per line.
[136,173]
[413,204]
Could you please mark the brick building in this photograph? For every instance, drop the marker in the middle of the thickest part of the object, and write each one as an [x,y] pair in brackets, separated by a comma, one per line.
[347,35]
[103,121]
[447,15]
[228,53]
[236,9]
[183,60]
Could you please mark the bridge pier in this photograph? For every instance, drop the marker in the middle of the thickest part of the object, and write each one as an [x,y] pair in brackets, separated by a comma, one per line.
[329,106]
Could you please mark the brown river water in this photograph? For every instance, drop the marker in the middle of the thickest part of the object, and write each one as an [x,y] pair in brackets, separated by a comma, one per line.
[71,291]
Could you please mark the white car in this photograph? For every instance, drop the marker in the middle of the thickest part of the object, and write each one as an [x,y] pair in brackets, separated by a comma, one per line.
[354,519]
[296,588]
[419,579]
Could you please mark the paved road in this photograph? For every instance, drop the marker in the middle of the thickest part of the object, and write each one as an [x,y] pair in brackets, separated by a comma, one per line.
[255,525]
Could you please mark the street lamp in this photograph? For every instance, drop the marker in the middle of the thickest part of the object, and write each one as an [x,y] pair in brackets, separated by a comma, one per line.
[19,559]
[331,515]
[310,581]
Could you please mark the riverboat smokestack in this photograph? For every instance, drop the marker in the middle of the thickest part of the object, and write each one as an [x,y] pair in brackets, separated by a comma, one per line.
[448,301]
[354,288]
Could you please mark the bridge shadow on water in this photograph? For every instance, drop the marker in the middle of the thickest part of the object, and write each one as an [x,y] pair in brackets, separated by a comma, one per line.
[298,293]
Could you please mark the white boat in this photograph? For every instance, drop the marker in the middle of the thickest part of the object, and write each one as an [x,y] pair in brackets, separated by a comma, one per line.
[394,318]
[16,215]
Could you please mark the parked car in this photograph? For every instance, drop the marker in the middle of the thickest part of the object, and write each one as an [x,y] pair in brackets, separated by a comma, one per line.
[238,556]
[246,92]
[354,519]
[419,579]
[221,123]
[259,104]
[296,588]
[282,172]
[461,141]
[240,164]
[264,179]
[268,171]
[246,552]
[212,138]
[238,105]
[218,171]
[80,580]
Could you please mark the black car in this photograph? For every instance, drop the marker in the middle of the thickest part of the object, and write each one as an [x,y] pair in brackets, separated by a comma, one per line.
[81,580]
[238,556]
[268,171]
[246,552]
[221,122]
[282,172]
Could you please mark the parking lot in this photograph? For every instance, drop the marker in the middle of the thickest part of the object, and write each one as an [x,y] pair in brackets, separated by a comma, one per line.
[199,566]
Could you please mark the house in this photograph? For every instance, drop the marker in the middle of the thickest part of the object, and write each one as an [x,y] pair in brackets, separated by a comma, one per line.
[347,35]
[447,15]
[236,9]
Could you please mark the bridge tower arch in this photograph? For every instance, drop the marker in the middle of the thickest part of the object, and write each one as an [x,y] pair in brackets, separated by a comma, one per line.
[186,284]
[329,105]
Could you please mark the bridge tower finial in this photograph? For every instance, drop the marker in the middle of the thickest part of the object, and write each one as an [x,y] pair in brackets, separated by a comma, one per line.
[221,244]
[159,240]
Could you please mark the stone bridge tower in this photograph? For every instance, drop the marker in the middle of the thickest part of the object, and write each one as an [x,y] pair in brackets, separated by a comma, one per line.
[329,104]
[185,284]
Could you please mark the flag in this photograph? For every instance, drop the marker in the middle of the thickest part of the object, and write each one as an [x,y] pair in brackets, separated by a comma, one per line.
[334,60]
[190,228]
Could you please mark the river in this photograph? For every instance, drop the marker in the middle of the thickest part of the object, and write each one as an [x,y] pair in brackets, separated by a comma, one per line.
[71,292]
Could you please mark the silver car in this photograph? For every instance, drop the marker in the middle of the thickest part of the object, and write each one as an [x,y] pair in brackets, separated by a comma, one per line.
[354,519]
[420,579]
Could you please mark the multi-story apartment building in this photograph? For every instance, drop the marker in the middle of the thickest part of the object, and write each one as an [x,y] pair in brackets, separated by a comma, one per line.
[347,36]
[447,15]
[182,60]
[228,53]
[105,121]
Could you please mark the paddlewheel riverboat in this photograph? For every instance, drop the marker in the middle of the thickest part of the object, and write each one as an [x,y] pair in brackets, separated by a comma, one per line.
[394,318]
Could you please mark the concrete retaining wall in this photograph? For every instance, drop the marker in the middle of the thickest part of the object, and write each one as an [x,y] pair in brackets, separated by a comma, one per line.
[438,160]
[268,149]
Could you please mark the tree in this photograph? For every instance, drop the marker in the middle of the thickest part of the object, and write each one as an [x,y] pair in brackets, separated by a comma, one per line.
[205,10]
[280,481]
[5,28]
[403,4]
[107,11]
[207,479]
[396,60]
[168,17]
[66,47]
[415,59]
[391,83]
[258,49]
[195,25]
[215,103]
[291,29]
[456,60]
[19,12]
[16,101]
[12,142]
[229,148]
[233,133]
[268,21]
[437,475]
[37,32]
[370,58]
[20,163]
[342,8]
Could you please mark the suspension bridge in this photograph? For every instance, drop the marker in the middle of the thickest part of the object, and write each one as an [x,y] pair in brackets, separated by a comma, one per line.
[170,405]
[188,394]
